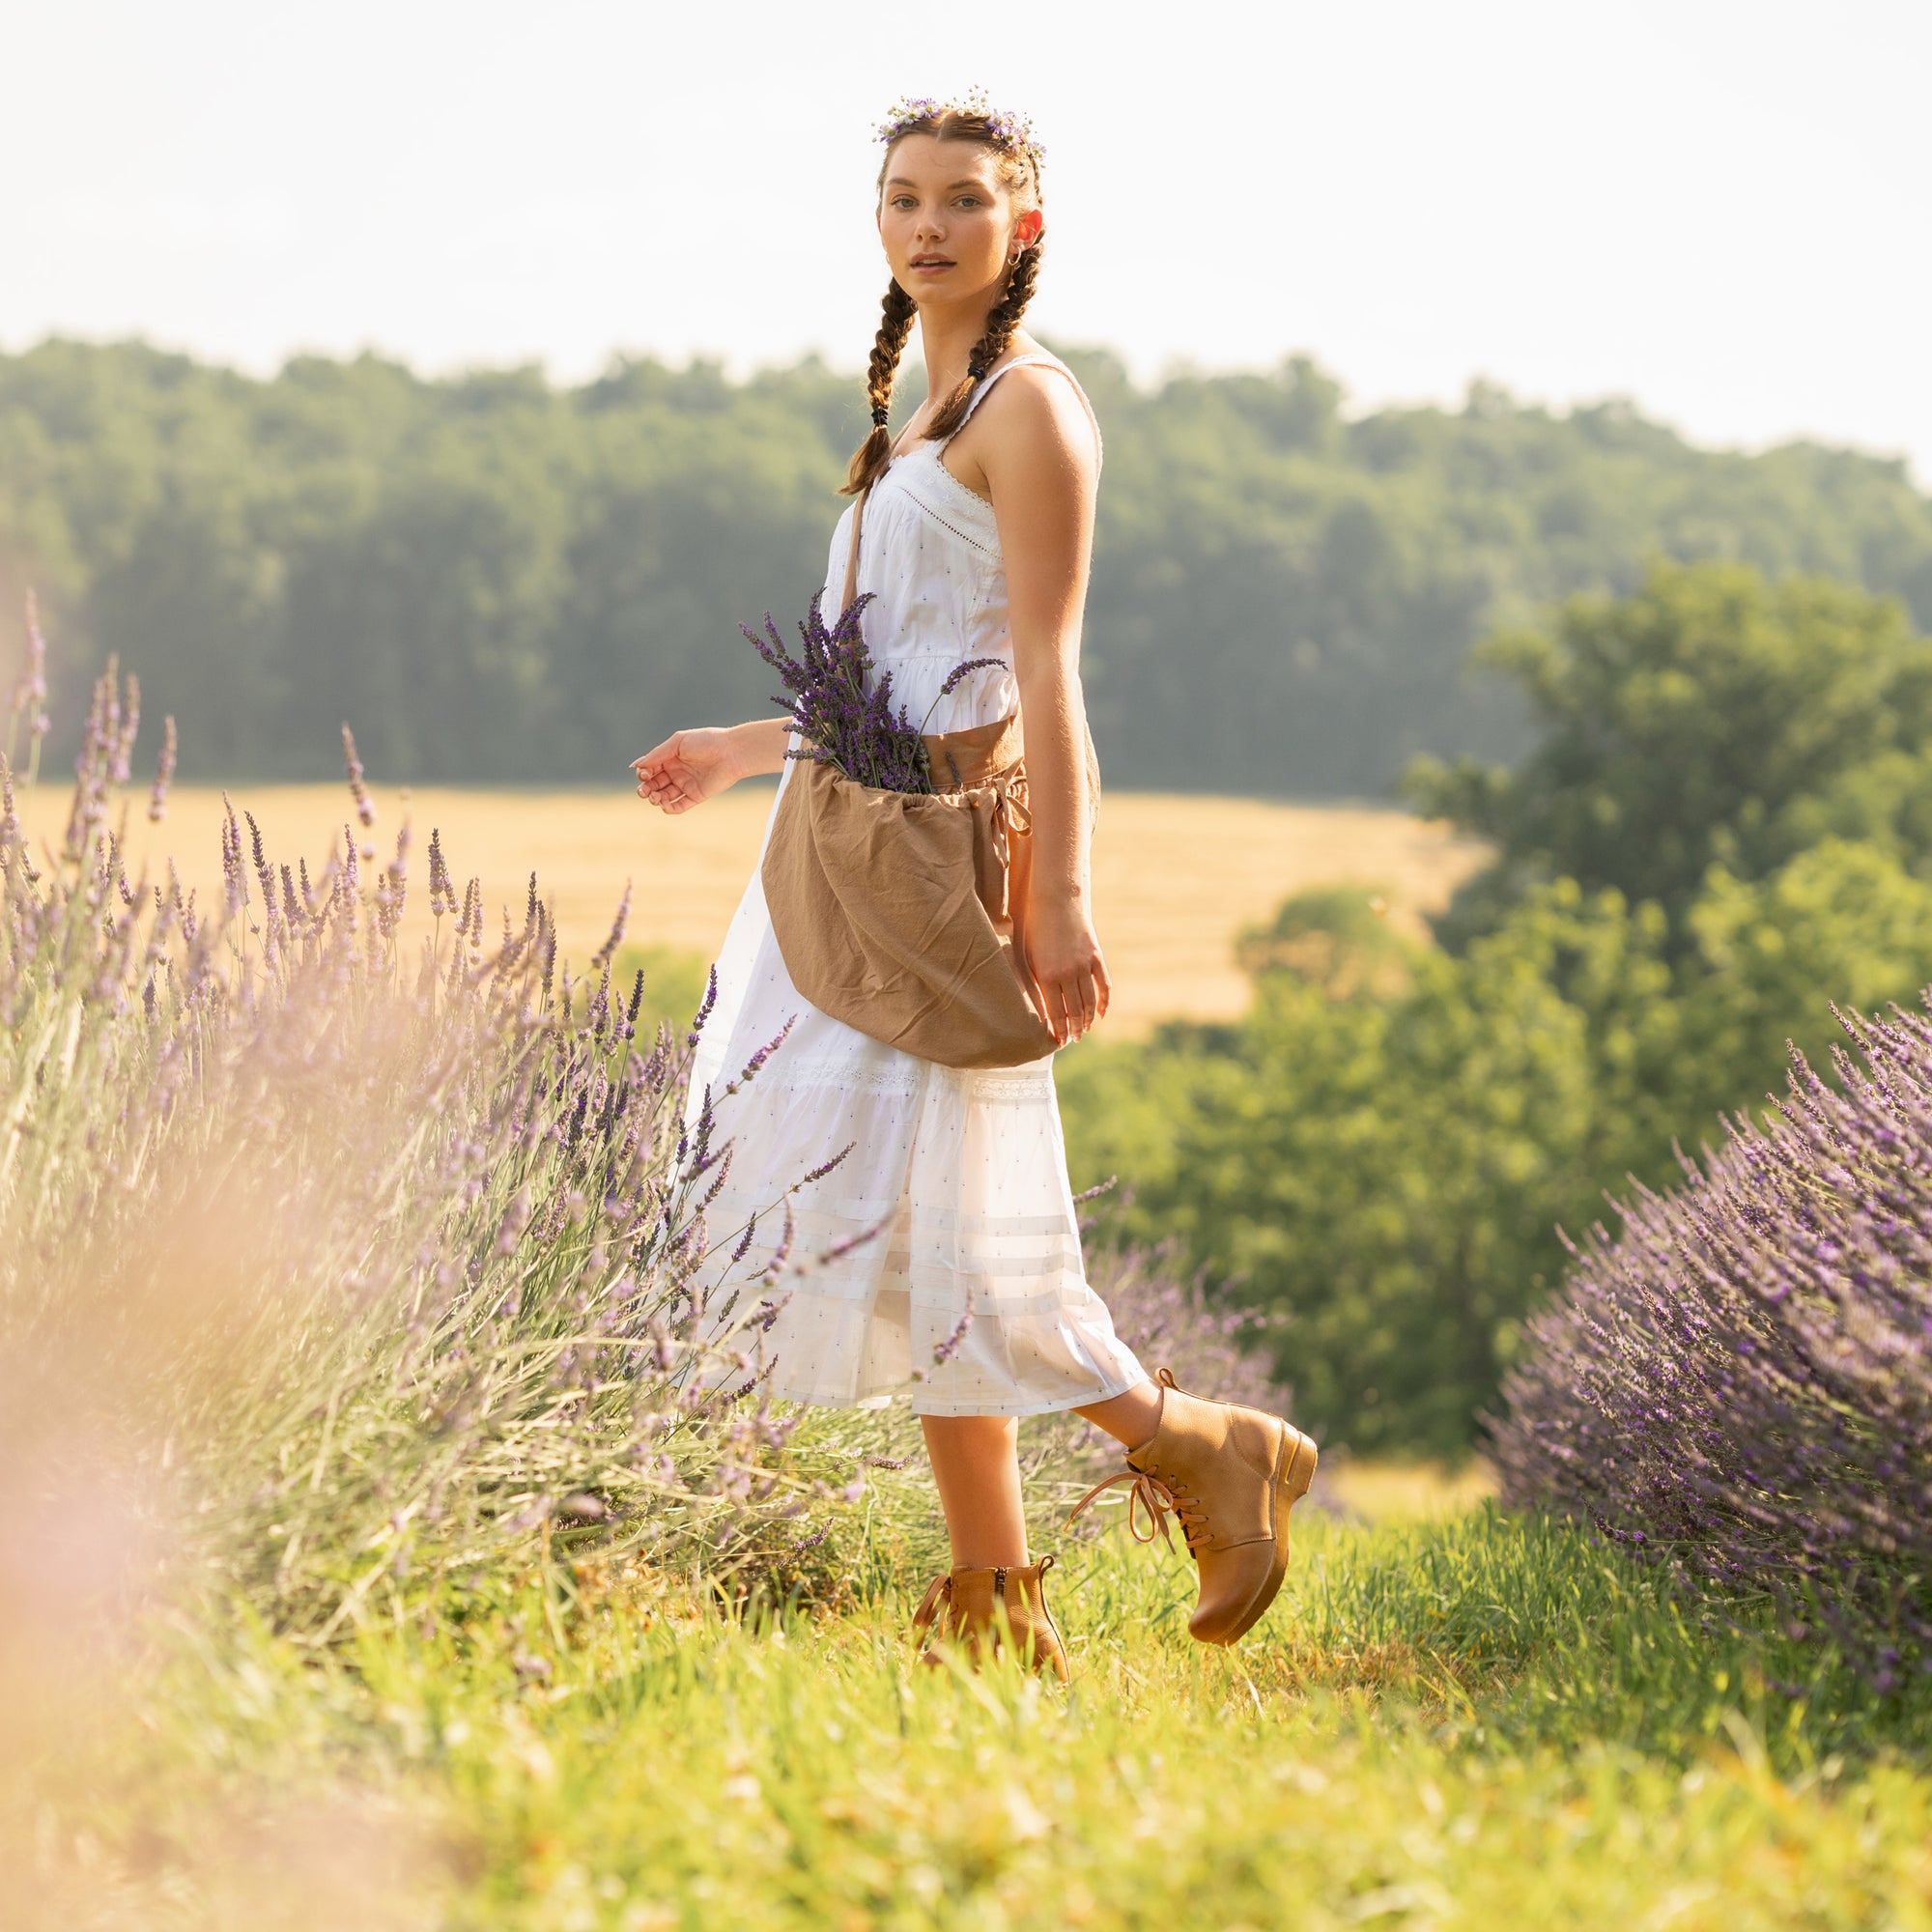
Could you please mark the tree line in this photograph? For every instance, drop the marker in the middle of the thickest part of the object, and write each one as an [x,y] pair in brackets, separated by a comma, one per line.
[498,579]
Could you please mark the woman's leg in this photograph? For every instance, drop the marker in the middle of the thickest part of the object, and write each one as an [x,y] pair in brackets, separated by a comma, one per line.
[1130,1418]
[992,1597]
[975,1463]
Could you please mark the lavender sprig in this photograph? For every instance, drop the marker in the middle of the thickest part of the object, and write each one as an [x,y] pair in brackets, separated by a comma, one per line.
[365,806]
[30,692]
[165,772]
[841,711]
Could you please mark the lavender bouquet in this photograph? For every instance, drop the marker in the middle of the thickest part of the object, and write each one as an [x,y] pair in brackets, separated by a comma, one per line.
[841,711]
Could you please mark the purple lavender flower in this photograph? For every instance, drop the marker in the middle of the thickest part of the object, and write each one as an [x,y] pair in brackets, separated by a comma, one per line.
[944,1351]
[365,806]
[392,888]
[121,750]
[442,891]
[30,690]
[743,1246]
[165,772]
[703,1012]
[606,953]
[10,831]
[516,1218]
[820,1172]
[842,713]
[234,879]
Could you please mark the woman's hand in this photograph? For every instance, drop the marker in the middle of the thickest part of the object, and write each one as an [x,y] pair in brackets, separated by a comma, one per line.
[690,766]
[1063,956]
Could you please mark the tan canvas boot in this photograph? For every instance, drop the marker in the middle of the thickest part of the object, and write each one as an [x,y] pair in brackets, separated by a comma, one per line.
[983,1611]
[1232,1475]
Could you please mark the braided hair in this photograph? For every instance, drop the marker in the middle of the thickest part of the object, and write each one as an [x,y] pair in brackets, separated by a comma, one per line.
[895,317]
[1021,173]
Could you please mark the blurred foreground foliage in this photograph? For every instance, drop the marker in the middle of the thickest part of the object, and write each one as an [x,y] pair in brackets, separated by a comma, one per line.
[497,578]
[1722,834]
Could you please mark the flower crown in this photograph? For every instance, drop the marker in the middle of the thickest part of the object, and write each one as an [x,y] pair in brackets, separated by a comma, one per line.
[1011,133]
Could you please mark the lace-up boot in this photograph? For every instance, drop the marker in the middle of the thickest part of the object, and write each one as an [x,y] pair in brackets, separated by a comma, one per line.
[1231,1475]
[983,1611]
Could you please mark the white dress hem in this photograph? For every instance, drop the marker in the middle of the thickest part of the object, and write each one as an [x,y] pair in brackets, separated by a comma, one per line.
[1020,1412]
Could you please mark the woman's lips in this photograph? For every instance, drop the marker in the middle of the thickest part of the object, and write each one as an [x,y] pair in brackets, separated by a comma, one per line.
[931,263]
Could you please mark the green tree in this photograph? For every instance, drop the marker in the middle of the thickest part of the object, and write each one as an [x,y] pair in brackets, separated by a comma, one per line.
[1712,719]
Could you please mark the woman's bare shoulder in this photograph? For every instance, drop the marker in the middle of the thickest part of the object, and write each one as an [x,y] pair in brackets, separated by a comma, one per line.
[1038,411]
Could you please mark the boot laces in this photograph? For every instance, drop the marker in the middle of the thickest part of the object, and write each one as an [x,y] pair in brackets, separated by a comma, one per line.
[1156,1498]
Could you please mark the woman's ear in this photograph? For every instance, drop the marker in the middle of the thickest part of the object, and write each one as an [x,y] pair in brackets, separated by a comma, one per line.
[1027,228]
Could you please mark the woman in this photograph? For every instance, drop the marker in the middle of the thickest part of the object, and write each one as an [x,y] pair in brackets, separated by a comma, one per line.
[976,540]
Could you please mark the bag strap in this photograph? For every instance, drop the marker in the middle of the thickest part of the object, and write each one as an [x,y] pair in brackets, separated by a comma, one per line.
[852,553]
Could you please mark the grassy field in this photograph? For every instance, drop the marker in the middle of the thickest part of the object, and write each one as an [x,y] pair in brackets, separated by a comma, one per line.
[1175,878]
[1449,1719]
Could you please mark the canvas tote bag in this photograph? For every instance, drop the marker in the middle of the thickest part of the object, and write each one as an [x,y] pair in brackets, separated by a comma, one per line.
[902,914]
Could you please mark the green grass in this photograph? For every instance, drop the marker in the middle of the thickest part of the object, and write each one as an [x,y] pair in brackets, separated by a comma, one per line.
[1479,1720]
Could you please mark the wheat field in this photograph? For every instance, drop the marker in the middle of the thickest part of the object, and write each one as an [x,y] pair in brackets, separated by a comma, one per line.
[1176,879]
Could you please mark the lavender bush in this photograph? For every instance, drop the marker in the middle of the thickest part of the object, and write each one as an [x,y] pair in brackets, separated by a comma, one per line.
[843,714]
[333,1269]
[1741,1386]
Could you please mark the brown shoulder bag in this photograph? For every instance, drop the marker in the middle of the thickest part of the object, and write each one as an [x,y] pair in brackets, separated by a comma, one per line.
[902,913]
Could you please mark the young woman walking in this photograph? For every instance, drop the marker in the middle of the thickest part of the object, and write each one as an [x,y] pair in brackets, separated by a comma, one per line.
[974,543]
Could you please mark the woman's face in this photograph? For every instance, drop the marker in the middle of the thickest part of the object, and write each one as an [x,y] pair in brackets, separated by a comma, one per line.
[948,220]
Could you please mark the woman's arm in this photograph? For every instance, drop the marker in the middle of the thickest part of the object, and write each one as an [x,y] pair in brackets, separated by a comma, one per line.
[690,766]
[1039,460]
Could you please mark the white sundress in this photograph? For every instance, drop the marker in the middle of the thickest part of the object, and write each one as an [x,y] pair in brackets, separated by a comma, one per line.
[964,1171]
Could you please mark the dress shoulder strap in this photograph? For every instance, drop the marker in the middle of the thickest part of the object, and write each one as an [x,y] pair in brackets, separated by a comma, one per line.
[1038,359]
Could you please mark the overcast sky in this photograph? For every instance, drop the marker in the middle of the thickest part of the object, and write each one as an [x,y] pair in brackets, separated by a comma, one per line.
[1718,209]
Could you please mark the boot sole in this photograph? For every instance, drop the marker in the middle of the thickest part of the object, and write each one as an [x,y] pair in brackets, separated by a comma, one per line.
[1293,1474]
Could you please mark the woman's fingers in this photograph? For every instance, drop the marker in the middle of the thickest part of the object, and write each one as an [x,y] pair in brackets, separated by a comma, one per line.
[1075,1001]
[1053,993]
[1090,1000]
[658,754]
[664,777]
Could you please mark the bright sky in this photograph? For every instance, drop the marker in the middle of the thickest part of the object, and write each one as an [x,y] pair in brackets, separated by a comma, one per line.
[1718,207]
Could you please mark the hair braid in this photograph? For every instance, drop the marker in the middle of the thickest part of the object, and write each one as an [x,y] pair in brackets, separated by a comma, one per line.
[895,318]
[993,343]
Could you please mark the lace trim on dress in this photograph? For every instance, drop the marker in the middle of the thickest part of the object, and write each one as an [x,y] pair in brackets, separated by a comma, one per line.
[810,1075]
[908,1083]
[1034,1084]
[987,544]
